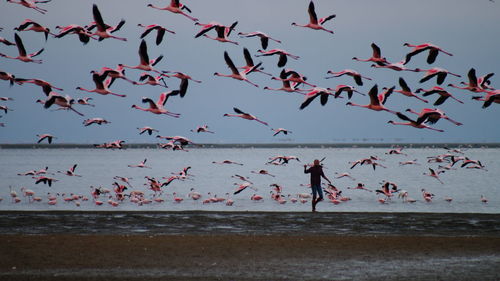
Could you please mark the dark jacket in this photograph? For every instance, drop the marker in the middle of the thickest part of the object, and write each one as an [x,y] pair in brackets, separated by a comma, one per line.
[316,174]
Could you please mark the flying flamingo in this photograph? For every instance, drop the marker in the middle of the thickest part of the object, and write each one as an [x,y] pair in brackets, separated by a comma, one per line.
[28,24]
[23,56]
[282,55]
[405,90]
[292,76]
[98,121]
[223,33]
[145,64]
[345,88]
[433,51]
[227,162]
[175,7]
[151,80]
[281,130]
[6,42]
[288,86]
[242,187]
[264,38]
[5,108]
[342,175]
[160,31]
[158,106]
[38,82]
[250,64]
[358,78]
[31,4]
[102,29]
[313,94]
[101,85]
[235,73]
[48,137]
[64,102]
[184,80]
[375,103]
[444,95]
[244,115]
[438,72]
[83,34]
[473,84]
[434,174]
[113,74]
[44,180]
[376,56]
[142,164]
[202,129]
[8,77]
[70,172]
[412,123]
[491,97]
[177,139]
[314,23]
[396,66]
[149,130]
[85,101]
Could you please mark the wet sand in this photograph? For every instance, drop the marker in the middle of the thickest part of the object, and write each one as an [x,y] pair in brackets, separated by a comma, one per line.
[247,257]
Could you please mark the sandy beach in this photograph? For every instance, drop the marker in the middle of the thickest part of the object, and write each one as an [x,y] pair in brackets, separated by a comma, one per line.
[247,257]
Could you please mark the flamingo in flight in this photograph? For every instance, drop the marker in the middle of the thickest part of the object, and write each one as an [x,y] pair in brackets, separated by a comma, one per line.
[434,174]
[184,80]
[151,80]
[405,90]
[83,34]
[103,30]
[396,66]
[412,123]
[31,4]
[375,104]
[85,101]
[264,38]
[444,95]
[345,88]
[113,74]
[429,115]
[281,130]
[474,84]
[145,64]
[28,24]
[64,102]
[244,115]
[223,32]
[101,85]
[314,23]
[288,85]
[158,106]
[433,51]
[313,94]
[6,42]
[47,137]
[376,56]
[70,172]
[358,78]
[160,31]
[98,121]
[292,76]
[438,72]
[142,164]
[282,55]
[491,97]
[8,77]
[147,129]
[5,109]
[251,64]
[23,56]
[202,129]
[175,7]
[235,73]
[38,82]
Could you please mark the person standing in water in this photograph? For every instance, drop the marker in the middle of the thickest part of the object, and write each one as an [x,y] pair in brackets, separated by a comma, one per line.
[316,172]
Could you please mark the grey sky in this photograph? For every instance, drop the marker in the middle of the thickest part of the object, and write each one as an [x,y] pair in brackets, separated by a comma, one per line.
[468,29]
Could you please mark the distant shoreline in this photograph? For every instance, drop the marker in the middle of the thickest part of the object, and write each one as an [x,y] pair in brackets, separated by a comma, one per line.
[263,145]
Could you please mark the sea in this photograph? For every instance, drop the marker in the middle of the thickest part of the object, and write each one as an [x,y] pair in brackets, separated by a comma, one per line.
[364,212]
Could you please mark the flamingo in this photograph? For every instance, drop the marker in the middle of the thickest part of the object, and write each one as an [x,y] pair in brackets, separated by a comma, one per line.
[263,172]
[358,78]
[288,86]
[31,4]
[175,7]
[83,34]
[444,95]
[101,85]
[360,186]
[223,32]
[432,116]
[227,162]
[491,97]
[244,115]
[440,73]
[23,56]
[5,108]
[434,174]
[281,130]
[405,90]
[345,88]
[235,73]
[28,24]
[397,150]
[8,77]
[151,80]
[473,85]
[375,103]
[256,197]
[202,129]
[184,80]
[376,56]
[177,139]
[314,23]
[147,129]
[396,66]
[292,76]
[242,187]
[48,137]
[433,51]
[38,82]
[102,29]
[250,64]
[145,64]
[194,194]
[70,172]
[142,164]
[110,29]
[342,175]
[160,31]
[264,38]
[241,178]
[85,101]
[412,123]
[98,121]
[113,74]
[313,94]
[282,55]
[6,42]
[158,106]
[44,180]
[283,159]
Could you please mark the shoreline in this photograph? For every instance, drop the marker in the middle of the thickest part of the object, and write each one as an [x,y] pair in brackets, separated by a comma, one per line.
[247,257]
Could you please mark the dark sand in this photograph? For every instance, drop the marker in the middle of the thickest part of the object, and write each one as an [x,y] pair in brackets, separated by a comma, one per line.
[247,257]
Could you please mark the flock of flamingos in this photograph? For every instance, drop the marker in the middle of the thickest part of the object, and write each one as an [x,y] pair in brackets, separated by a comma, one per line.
[97,29]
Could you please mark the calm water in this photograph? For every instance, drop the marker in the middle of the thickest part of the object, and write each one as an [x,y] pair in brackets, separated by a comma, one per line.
[98,167]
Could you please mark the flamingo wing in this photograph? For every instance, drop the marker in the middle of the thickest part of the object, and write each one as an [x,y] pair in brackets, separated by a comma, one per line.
[101,26]
[143,53]
[313,18]
[248,57]
[376,51]
[373,95]
[20,45]
[230,63]
[403,85]
[472,77]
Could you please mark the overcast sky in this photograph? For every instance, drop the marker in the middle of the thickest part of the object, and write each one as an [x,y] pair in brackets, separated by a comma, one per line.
[470,30]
